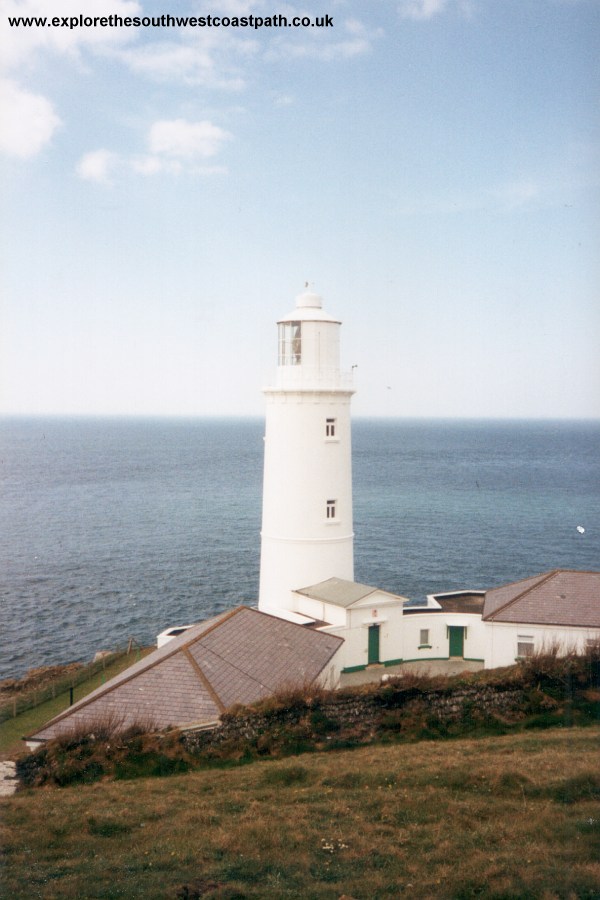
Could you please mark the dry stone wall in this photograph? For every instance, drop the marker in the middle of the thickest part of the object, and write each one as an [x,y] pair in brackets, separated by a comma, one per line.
[361,713]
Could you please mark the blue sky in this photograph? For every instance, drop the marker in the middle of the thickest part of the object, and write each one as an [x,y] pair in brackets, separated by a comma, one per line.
[431,166]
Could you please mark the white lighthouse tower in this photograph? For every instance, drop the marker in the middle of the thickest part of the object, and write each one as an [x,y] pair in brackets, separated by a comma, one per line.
[307,533]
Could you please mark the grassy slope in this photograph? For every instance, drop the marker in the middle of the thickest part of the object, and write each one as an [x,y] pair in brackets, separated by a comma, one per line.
[515,816]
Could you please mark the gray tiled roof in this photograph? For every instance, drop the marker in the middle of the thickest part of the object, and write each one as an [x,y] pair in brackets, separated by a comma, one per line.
[337,591]
[498,597]
[560,597]
[237,657]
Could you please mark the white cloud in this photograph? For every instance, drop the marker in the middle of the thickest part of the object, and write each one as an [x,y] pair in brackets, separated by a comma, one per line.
[235,7]
[284,100]
[151,165]
[421,9]
[98,165]
[205,58]
[175,147]
[188,63]
[27,121]
[320,45]
[19,46]
[186,140]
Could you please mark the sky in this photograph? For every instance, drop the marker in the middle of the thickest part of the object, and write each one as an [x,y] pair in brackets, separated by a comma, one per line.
[430,167]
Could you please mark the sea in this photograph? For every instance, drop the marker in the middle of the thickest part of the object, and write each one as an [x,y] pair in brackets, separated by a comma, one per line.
[118,528]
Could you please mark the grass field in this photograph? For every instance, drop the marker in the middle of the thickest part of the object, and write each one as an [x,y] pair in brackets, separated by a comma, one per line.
[516,816]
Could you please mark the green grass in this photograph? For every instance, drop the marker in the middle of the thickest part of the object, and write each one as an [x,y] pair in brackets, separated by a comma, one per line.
[515,816]
[14,729]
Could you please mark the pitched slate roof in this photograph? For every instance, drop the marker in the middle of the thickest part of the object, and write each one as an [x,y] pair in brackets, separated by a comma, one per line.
[560,597]
[237,657]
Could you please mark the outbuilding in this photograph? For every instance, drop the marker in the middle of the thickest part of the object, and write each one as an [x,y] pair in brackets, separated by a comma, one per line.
[240,656]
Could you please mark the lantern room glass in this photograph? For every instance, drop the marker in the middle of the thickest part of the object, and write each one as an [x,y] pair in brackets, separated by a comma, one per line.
[290,343]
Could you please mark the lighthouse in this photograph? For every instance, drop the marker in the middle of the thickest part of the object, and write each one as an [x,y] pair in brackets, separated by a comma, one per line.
[307,533]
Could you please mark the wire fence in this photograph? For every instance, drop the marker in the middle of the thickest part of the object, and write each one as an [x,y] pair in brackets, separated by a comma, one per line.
[30,698]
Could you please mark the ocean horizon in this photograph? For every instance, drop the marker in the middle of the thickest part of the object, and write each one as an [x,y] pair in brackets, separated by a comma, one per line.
[116,526]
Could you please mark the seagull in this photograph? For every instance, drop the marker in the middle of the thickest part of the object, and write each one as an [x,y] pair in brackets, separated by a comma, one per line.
[581,529]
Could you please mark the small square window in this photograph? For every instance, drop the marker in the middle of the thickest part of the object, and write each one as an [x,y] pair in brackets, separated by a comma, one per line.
[331,509]
[329,428]
[524,645]
[424,637]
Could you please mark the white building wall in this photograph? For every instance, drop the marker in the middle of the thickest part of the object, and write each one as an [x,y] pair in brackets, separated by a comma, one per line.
[391,625]
[317,609]
[502,639]
[329,678]
[355,651]
[495,643]
[439,643]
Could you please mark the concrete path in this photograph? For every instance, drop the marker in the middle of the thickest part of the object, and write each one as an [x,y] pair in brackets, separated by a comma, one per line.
[8,778]
[426,667]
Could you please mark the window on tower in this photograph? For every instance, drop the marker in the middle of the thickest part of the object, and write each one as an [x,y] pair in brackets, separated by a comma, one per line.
[329,428]
[290,343]
[331,509]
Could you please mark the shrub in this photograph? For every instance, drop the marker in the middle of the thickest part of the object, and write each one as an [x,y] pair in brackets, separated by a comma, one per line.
[107,727]
[82,758]
[555,664]
[292,697]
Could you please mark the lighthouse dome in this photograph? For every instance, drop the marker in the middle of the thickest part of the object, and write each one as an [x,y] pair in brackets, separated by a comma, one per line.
[308,299]
[309,308]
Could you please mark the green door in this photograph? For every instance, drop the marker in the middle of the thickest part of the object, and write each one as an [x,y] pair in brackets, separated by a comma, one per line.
[373,644]
[456,634]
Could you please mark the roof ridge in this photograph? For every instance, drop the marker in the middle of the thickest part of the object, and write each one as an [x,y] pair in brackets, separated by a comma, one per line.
[252,677]
[577,571]
[90,698]
[225,659]
[238,668]
[542,580]
[204,679]
[271,615]
[222,617]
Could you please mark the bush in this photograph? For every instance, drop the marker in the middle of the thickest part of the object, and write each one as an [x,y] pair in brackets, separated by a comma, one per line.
[82,758]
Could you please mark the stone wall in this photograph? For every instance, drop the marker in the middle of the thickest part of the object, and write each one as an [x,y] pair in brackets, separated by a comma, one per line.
[360,713]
